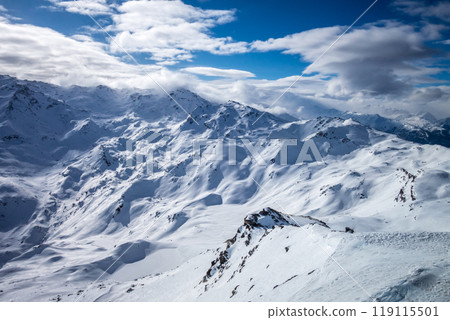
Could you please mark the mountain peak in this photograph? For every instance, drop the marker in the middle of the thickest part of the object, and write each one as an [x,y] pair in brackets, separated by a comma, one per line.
[268,218]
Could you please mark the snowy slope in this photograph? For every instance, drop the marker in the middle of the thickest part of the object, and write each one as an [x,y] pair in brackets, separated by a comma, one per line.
[72,211]
[423,128]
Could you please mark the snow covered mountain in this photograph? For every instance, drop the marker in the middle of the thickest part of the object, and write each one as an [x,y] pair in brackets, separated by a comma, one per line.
[221,214]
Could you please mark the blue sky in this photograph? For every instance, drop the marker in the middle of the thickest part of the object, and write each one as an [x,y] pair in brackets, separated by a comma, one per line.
[396,51]
[255,20]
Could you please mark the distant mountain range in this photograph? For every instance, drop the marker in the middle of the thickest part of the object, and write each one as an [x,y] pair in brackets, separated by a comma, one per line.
[110,195]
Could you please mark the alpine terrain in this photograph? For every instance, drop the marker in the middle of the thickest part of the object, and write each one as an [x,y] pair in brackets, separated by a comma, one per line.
[130,195]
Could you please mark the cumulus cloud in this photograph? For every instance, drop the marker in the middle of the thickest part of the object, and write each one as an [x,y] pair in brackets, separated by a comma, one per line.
[89,7]
[376,59]
[172,30]
[310,43]
[215,72]
[374,69]
[425,9]
[37,53]
[169,30]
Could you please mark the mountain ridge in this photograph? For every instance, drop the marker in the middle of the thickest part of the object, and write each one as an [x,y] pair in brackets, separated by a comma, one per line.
[75,197]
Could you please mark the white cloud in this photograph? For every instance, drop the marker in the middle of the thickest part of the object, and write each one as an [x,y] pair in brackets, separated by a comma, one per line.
[377,59]
[4,16]
[310,98]
[171,31]
[310,43]
[440,10]
[37,53]
[215,72]
[262,93]
[89,7]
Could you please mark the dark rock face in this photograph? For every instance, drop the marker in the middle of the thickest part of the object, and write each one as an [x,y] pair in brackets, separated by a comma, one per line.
[255,228]
[268,218]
